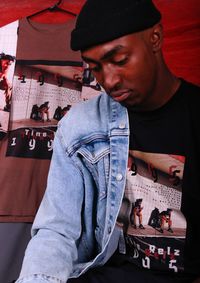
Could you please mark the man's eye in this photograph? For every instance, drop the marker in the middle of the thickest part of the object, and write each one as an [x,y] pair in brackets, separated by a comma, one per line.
[121,62]
[94,69]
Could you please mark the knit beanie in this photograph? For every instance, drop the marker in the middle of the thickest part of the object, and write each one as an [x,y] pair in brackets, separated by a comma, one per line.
[100,21]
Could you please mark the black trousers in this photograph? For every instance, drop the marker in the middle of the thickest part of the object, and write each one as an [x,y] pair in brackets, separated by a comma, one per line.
[14,238]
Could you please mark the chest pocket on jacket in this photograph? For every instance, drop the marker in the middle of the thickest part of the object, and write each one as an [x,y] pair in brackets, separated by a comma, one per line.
[96,157]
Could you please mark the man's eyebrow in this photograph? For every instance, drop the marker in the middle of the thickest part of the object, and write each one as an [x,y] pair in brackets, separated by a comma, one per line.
[105,56]
[88,60]
[111,52]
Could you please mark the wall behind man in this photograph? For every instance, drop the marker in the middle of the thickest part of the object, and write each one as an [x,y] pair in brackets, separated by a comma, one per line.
[182,36]
[180,18]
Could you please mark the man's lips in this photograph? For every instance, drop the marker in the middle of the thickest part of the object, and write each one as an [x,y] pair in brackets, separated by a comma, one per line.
[120,96]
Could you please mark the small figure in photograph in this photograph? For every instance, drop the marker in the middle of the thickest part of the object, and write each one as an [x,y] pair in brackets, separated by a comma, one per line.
[137,213]
[5,61]
[44,110]
[165,217]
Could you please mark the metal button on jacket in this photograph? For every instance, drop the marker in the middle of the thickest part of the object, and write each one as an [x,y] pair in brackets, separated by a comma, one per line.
[122,125]
[119,177]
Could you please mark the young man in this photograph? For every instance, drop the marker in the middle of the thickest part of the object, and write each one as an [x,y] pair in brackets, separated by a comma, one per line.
[145,111]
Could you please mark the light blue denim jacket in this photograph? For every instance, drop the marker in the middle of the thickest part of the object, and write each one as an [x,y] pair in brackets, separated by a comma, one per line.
[74,228]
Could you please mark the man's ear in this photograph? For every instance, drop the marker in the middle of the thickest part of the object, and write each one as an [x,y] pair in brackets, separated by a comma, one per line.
[156,37]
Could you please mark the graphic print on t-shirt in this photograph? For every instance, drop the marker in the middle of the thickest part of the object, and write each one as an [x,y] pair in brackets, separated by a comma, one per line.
[8,42]
[44,87]
[153,225]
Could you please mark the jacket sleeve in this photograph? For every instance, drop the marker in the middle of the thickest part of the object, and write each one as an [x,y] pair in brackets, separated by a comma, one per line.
[52,250]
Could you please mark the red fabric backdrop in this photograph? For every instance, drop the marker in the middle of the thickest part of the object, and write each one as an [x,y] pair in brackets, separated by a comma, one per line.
[181,19]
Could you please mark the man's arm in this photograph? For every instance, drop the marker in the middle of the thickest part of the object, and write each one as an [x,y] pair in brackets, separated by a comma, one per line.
[52,250]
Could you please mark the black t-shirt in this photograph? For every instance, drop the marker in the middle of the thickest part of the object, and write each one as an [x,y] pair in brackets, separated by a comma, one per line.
[162,230]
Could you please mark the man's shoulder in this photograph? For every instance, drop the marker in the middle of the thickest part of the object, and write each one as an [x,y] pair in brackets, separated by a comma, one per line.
[93,107]
[190,87]
[190,93]
[86,119]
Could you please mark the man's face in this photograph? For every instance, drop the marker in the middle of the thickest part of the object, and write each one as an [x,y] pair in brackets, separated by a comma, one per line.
[126,68]
[4,65]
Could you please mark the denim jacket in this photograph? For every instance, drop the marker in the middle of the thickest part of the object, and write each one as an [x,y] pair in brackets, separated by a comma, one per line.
[74,228]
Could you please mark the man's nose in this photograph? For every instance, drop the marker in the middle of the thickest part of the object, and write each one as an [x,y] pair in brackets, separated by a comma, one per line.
[111,80]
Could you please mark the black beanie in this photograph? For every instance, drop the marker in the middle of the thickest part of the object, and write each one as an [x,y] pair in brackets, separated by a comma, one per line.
[104,20]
